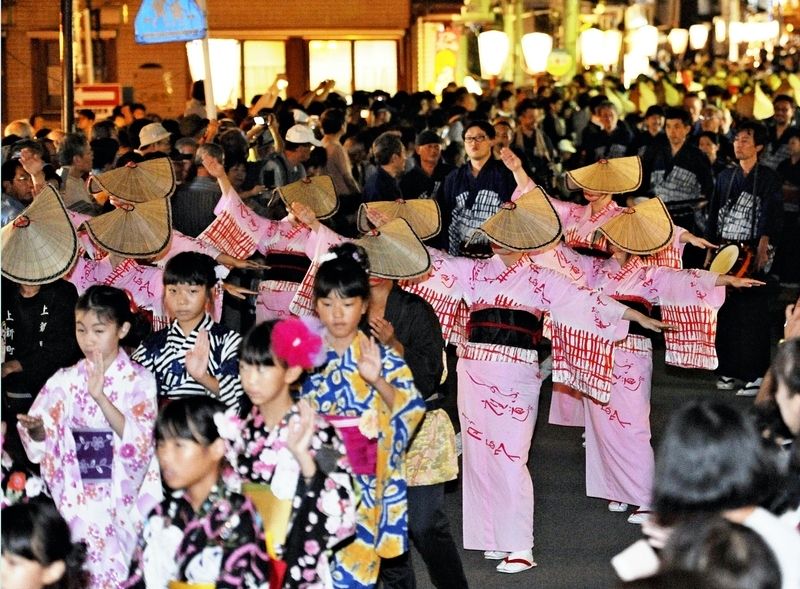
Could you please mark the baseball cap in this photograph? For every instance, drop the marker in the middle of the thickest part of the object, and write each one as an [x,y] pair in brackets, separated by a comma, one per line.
[301,134]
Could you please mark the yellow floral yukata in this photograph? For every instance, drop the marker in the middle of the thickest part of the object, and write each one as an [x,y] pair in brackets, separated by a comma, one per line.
[337,389]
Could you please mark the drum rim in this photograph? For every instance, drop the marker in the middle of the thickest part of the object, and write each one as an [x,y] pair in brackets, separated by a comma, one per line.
[733,258]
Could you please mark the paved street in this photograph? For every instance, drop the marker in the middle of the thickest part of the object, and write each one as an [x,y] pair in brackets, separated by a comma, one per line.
[575,535]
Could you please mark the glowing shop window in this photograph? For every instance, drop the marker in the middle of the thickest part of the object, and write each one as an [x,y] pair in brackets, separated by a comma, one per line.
[225,68]
[330,60]
[376,65]
[263,61]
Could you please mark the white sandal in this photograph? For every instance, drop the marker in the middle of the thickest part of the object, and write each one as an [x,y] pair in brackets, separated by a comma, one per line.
[516,562]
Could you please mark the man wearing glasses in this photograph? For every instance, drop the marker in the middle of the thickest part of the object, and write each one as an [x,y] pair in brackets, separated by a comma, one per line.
[475,191]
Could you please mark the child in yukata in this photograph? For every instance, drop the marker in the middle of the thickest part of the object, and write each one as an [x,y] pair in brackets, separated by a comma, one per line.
[194,355]
[367,391]
[203,532]
[91,429]
[286,447]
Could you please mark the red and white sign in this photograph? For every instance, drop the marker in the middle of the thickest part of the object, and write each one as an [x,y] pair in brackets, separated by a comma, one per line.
[97,95]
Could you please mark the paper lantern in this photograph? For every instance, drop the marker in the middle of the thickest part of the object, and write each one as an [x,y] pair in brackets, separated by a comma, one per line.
[678,40]
[493,49]
[698,36]
[536,48]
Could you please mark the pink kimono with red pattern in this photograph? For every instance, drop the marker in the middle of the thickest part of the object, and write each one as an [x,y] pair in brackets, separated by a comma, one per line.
[498,385]
[581,231]
[239,232]
[619,457]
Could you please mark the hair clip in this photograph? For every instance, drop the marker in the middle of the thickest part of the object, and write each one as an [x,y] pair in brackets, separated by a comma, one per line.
[328,257]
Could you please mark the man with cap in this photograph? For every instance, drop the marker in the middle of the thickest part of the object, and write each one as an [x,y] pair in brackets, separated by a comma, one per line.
[154,137]
[287,167]
[426,178]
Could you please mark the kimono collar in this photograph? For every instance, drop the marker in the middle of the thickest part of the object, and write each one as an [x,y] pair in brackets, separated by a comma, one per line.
[205,323]
[610,205]
[121,362]
[633,264]
[218,493]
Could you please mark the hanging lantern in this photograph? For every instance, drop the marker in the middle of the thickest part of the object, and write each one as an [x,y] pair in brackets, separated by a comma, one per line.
[698,36]
[536,48]
[678,41]
[493,49]
[644,41]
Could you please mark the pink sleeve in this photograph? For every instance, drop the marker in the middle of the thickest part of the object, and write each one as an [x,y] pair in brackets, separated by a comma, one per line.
[520,190]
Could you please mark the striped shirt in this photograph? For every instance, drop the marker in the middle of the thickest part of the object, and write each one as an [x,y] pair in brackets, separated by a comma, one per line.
[164,353]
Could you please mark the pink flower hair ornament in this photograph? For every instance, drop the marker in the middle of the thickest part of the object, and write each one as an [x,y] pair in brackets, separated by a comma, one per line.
[295,342]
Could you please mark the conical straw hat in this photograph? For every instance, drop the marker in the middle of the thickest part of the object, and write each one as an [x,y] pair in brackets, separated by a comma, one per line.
[141,230]
[137,182]
[643,229]
[617,175]
[41,244]
[316,192]
[422,214]
[528,224]
[395,252]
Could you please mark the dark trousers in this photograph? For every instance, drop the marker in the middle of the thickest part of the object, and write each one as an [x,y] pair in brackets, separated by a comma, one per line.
[743,333]
[429,530]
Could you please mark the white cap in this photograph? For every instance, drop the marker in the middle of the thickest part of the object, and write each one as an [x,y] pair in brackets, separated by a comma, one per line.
[567,146]
[300,116]
[301,134]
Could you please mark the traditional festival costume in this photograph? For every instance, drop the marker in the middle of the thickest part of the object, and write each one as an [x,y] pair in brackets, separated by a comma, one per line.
[322,510]
[498,373]
[222,543]
[102,484]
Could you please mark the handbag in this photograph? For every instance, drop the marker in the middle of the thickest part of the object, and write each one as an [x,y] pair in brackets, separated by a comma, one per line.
[432,457]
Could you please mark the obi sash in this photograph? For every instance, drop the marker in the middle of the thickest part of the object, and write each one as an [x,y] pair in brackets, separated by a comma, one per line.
[286,266]
[504,327]
[641,305]
[94,449]
[362,452]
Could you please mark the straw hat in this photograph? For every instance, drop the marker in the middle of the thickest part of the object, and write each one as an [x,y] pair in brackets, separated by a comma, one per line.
[141,230]
[422,214]
[395,252]
[40,245]
[725,259]
[528,224]
[641,230]
[152,133]
[137,182]
[617,175]
[317,193]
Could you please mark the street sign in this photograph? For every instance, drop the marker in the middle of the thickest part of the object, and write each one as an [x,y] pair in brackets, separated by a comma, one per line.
[97,95]
[162,21]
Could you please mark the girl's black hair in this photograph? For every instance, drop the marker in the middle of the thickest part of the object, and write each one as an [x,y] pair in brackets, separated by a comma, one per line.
[711,458]
[36,531]
[786,366]
[347,274]
[192,268]
[115,305]
[190,418]
[255,348]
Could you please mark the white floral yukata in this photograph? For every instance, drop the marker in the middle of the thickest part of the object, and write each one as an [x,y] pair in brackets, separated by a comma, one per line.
[102,485]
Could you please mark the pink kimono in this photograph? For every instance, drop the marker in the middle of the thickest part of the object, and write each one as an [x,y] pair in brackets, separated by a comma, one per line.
[239,232]
[498,384]
[581,232]
[619,457]
[103,485]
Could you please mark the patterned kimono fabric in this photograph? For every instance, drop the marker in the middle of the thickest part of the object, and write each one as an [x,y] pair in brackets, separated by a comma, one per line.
[323,511]
[580,225]
[221,543]
[619,456]
[239,231]
[337,389]
[499,381]
[102,485]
